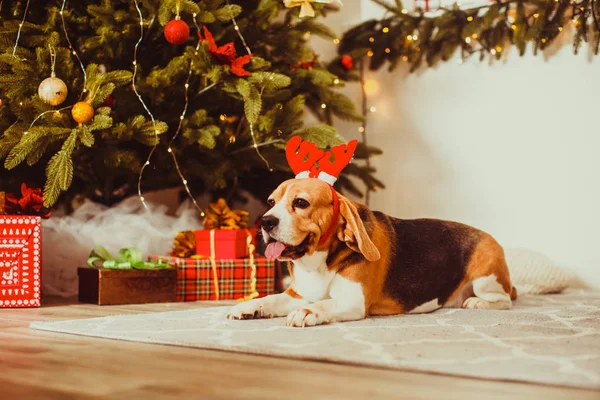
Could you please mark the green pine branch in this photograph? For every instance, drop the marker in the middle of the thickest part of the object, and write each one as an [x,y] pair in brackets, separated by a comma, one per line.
[486,31]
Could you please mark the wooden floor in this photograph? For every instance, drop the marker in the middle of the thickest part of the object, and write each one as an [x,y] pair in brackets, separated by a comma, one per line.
[45,365]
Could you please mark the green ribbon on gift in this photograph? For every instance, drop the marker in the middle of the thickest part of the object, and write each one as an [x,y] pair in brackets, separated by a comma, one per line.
[128,258]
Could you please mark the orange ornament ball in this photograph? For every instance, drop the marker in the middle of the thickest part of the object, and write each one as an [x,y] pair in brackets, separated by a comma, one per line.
[177,32]
[82,112]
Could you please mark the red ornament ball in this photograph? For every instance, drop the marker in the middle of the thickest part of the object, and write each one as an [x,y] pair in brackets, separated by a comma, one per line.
[347,62]
[109,101]
[177,32]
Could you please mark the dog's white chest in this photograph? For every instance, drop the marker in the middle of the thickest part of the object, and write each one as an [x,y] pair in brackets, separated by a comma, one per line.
[311,277]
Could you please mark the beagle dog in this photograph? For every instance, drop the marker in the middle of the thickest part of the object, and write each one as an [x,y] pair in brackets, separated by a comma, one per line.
[350,262]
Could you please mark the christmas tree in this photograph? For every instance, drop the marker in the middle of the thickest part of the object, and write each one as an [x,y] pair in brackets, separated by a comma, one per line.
[196,94]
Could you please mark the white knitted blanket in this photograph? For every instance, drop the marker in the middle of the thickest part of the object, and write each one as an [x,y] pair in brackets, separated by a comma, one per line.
[534,273]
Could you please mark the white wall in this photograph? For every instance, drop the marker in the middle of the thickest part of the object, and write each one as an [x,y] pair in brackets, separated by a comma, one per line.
[511,148]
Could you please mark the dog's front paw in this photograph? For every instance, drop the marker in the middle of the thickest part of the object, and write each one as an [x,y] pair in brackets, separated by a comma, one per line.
[303,317]
[247,310]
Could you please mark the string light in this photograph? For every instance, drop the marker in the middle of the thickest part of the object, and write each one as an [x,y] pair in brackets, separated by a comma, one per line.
[181,118]
[371,86]
[493,52]
[370,53]
[409,37]
[468,40]
[371,39]
[250,125]
[414,37]
[323,106]
[139,96]
[385,30]
[536,15]
[336,41]
[474,36]
[470,18]
[388,50]
[56,112]
[373,109]
[361,129]
[19,30]
[336,81]
[64,26]
[404,11]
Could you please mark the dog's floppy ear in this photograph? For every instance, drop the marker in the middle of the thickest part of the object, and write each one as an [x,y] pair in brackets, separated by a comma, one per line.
[353,231]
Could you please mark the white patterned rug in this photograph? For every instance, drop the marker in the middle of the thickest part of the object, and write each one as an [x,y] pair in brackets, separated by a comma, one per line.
[551,339]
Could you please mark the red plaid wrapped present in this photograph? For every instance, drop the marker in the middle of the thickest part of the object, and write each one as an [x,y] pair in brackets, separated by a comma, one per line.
[20,260]
[196,278]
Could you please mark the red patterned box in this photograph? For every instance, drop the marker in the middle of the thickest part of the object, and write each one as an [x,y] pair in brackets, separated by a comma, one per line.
[20,260]
[228,243]
[195,278]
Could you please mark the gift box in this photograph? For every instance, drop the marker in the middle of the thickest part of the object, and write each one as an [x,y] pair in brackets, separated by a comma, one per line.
[126,286]
[224,279]
[20,260]
[225,243]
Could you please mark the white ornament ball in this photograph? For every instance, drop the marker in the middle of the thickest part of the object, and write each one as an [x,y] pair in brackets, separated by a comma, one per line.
[53,91]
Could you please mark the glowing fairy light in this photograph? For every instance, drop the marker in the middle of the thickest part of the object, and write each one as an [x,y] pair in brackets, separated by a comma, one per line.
[135,67]
[64,26]
[19,30]
[186,86]
[250,125]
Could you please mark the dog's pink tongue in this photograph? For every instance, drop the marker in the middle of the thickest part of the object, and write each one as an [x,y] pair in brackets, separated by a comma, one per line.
[274,250]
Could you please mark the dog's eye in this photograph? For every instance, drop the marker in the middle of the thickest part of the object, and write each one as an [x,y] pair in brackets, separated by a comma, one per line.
[271,202]
[300,203]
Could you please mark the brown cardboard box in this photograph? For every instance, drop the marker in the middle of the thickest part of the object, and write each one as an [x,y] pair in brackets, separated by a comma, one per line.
[114,287]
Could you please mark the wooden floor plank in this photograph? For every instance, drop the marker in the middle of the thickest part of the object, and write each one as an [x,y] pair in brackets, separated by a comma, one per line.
[47,365]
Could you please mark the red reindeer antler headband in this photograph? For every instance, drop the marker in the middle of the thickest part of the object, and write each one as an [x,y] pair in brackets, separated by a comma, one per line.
[308,161]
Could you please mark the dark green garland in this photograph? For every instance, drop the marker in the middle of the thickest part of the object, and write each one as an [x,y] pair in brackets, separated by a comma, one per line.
[488,31]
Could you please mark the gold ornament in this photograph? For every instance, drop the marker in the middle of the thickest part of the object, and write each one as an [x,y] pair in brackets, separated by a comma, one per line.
[306,9]
[82,112]
[184,245]
[219,216]
[53,91]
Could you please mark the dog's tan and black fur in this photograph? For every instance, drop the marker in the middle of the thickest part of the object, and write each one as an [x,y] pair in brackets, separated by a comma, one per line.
[374,264]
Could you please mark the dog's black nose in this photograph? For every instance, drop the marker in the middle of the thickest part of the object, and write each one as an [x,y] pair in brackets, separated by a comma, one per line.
[268,222]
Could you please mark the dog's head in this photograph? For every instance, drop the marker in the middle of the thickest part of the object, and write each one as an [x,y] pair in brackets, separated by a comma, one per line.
[301,213]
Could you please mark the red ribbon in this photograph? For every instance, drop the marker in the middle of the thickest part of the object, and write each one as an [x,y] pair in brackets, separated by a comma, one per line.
[334,218]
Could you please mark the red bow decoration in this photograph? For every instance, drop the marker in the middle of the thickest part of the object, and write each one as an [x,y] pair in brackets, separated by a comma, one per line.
[308,161]
[226,54]
[30,203]
[305,64]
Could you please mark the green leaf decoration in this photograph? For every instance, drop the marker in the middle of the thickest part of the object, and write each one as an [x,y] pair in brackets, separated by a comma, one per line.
[207,136]
[59,172]
[322,135]
[86,136]
[252,100]
[227,12]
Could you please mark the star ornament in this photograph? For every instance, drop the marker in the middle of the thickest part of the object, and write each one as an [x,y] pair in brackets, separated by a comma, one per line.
[226,54]
[306,9]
